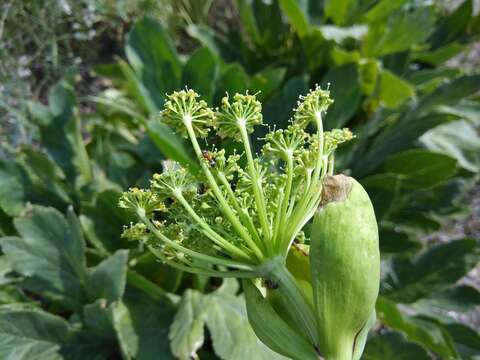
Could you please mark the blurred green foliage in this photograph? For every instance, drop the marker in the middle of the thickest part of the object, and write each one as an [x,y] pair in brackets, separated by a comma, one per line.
[72,288]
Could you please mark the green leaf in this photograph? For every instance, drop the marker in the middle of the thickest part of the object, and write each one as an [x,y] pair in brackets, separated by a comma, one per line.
[393,346]
[61,136]
[461,298]
[419,169]
[31,335]
[233,79]
[187,330]
[417,329]
[107,279]
[451,26]
[411,279]
[103,232]
[51,254]
[200,73]
[295,15]
[402,132]
[278,108]
[440,55]
[267,81]
[220,46]
[394,91]
[340,11]
[141,324]
[27,334]
[272,329]
[402,31]
[45,180]
[346,92]
[467,340]
[449,93]
[394,242]
[459,139]
[225,316]
[171,145]
[383,9]
[12,194]
[153,59]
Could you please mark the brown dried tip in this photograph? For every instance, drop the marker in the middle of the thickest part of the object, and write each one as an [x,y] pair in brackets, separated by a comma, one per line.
[335,188]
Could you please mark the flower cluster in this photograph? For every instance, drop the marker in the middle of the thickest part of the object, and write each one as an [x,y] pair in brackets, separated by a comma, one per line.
[243,208]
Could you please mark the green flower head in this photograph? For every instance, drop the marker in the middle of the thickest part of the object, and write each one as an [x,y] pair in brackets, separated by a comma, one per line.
[183,108]
[245,112]
[243,208]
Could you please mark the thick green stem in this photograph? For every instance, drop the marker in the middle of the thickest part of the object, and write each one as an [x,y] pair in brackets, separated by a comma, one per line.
[275,269]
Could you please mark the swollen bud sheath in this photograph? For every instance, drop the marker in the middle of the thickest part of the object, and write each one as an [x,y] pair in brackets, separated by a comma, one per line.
[344,264]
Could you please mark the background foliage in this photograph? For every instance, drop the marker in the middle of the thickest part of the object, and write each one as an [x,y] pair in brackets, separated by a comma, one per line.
[77,132]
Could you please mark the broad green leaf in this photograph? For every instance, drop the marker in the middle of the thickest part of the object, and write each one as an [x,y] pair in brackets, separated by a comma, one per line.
[107,279]
[28,334]
[395,242]
[440,55]
[451,26]
[103,232]
[171,145]
[339,11]
[461,298]
[249,22]
[467,340]
[187,330]
[214,41]
[449,93]
[142,324]
[31,335]
[401,31]
[393,346]
[61,135]
[411,279]
[153,59]
[232,335]
[12,193]
[50,254]
[233,79]
[459,139]
[316,47]
[394,91]
[272,329]
[278,108]
[417,329]
[200,73]
[401,134]
[419,169]
[267,81]
[295,15]
[345,90]
[225,316]
[368,76]
[383,9]
[45,180]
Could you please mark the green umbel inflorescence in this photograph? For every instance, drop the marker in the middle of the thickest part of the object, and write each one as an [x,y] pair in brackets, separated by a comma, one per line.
[243,208]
